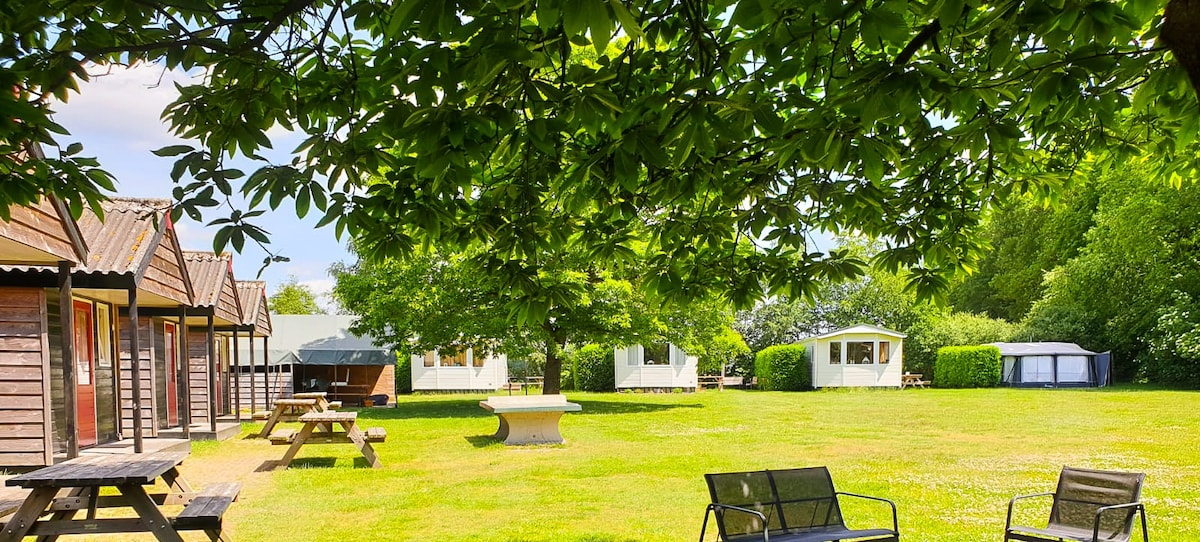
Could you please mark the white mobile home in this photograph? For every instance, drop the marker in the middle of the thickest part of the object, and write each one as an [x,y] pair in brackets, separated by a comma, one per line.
[862,355]
[459,371]
[660,365]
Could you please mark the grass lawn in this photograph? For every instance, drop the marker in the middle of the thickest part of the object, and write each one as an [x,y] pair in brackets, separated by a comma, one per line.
[632,467]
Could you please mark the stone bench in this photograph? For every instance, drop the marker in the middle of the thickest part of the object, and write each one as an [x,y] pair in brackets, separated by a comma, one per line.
[529,419]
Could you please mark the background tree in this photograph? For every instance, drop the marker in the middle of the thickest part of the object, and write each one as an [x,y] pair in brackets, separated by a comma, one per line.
[294,298]
[441,300]
[716,121]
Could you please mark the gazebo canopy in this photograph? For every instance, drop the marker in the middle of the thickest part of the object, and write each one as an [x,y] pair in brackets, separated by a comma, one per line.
[322,339]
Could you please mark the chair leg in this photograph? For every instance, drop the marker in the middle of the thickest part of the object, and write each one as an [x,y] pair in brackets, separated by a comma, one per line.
[1145,531]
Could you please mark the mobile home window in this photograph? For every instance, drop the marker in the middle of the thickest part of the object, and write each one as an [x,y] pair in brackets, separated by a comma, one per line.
[476,361]
[430,359]
[884,352]
[859,353]
[657,354]
[835,353]
[457,359]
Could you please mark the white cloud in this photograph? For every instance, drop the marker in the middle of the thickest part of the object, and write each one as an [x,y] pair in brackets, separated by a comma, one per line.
[124,104]
[192,236]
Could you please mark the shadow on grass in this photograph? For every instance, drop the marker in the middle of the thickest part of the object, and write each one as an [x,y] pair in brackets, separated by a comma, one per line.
[469,408]
[483,441]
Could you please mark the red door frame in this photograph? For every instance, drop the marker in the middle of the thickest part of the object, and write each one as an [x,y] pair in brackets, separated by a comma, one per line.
[171,342]
[85,373]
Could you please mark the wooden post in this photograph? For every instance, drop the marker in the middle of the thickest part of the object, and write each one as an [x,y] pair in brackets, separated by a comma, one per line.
[212,377]
[267,373]
[135,365]
[67,317]
[186,422]
[253,399]
[237,379]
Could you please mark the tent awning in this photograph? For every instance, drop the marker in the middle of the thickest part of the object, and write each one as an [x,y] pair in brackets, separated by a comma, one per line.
[346,357]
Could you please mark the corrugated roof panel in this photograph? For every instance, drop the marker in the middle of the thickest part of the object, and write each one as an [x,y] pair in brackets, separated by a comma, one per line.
[212,274]
[124,240]
[253,296]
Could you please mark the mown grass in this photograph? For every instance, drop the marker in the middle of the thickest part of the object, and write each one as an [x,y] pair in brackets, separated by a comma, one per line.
[632,467]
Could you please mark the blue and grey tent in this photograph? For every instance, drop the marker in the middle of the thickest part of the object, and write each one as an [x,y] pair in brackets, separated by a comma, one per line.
[1052,365]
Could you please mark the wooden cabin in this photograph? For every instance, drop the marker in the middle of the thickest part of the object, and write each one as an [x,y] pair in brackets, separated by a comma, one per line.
[460,370]
[654,366]
[857,356]
[216,315]
[133,264]
[254,375]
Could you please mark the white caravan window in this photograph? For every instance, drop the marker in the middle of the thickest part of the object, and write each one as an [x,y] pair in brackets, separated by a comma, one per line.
[860,353]
[1037,369]
[835,353]
[657,354]
[1072,369]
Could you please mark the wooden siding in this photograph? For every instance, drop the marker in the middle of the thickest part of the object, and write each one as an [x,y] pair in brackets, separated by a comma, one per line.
[198,374]
[164,275]
[25,424]
[279,384]
[39,226]
[228,303]
[146,339]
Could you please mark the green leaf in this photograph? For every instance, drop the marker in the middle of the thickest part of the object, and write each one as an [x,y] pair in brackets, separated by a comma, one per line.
[173,150]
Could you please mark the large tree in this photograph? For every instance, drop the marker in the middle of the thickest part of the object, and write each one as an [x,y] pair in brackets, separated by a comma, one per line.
[715,121]
[441,300]
[294,298]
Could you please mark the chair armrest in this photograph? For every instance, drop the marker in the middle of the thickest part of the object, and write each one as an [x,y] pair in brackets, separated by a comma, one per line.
[717,506]
[895,521]
[1100,511]
[1013,501]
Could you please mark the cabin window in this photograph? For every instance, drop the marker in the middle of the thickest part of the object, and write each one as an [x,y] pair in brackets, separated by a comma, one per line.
[103,336]
[859,352]
[884,352]
[430,359]
[476,361]
[835,353]
[657,354]
[458,359]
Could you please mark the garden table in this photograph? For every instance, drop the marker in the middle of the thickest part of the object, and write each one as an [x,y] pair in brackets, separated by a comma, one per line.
[529,419]
[912,379]
[289,410]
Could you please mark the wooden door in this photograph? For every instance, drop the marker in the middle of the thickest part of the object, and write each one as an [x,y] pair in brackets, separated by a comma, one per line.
[85,374]
[172,369]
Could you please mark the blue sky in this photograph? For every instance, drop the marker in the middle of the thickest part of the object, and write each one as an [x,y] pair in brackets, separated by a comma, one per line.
[116,117]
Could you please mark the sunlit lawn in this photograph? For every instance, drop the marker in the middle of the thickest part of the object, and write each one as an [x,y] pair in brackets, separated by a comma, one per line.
[633,463]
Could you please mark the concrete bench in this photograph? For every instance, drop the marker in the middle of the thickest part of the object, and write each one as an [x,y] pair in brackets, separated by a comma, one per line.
[529,419]
[205,511]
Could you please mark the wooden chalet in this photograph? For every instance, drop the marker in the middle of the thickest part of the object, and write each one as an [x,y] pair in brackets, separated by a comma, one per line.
[209,358]
[43,235]
[254,376]
[131,294]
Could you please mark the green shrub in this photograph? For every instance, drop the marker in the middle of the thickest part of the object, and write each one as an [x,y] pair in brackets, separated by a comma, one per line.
[957,329]
[594,369]
[403,374]
[783,367]
[967,367]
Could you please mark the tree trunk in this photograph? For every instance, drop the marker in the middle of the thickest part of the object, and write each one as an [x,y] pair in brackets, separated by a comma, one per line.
[1179,32]
[552,379]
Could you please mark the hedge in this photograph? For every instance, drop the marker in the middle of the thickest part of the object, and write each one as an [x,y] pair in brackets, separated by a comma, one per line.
[403,374]
[593,369]
[783,367]
[967,367]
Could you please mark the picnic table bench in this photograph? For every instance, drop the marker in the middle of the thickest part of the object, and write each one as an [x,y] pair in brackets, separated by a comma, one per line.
[347,420]
[529,419]
[63,490]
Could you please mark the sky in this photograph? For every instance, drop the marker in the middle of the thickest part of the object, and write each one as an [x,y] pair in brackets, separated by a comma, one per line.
[116,117]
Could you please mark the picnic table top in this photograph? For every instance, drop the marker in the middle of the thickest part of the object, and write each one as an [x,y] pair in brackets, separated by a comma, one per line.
[310,395]
[329,416]
[102,470]
[295,402]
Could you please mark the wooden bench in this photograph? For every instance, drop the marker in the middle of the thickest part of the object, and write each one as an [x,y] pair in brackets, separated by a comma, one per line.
[376,434]
[334,404]
[262,414]
[282,436]
[205,511]
[529,419]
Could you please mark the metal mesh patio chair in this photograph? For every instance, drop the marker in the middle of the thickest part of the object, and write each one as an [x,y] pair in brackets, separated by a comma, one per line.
[795,505]
[1089,506]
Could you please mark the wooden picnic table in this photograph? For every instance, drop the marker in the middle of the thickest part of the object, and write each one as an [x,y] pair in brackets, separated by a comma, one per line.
[347,420]
[912,379]
[323,403]
[289,410]
[79,482]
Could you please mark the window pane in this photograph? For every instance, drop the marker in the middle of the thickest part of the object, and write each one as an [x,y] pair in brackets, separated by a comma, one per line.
[429,358]
[458,359]
[476,360]
[884,352]
[657,354]
[835,353]
[103,337]
[859,353]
